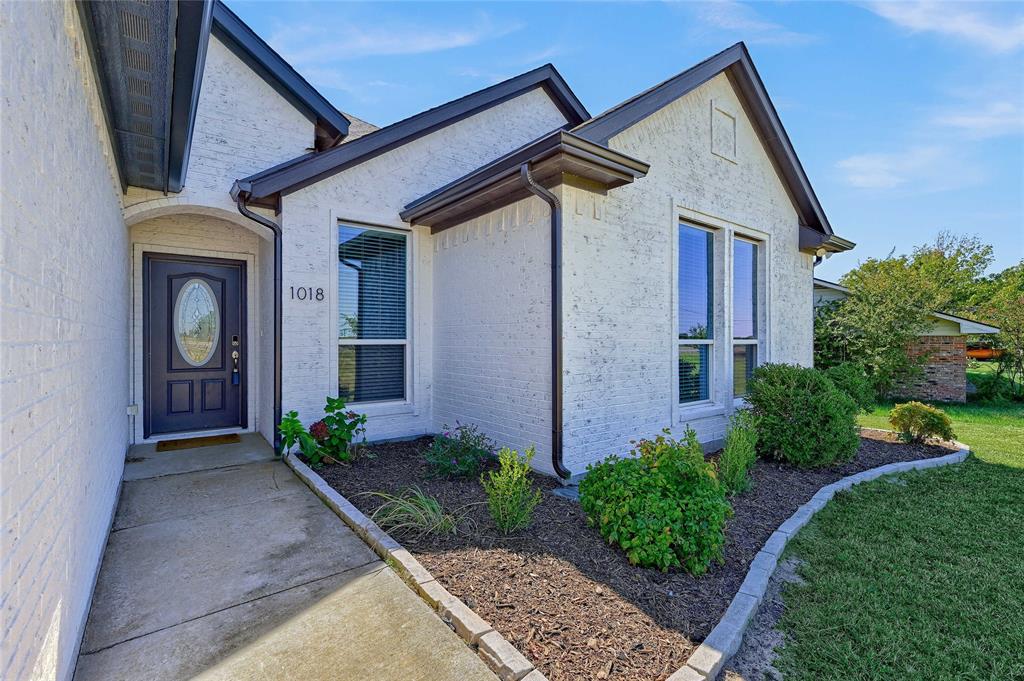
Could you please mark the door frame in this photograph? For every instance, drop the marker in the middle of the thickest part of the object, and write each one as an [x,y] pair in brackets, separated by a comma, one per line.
[136,409]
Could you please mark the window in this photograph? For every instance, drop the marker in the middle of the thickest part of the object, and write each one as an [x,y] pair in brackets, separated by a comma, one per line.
[744,314]
[372,314]
[696,313]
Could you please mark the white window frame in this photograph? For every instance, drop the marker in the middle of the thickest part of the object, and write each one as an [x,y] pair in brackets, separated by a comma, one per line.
[384,407]
[759,341]
[680,342]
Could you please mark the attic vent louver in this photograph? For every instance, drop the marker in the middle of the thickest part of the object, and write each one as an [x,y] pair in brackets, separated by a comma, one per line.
[137,60]
[135,27]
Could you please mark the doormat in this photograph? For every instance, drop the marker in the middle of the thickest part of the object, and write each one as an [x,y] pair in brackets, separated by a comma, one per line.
[191,443]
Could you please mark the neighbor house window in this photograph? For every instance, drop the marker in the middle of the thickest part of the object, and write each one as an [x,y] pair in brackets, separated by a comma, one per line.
[744,314]
[696,313]
[372,314]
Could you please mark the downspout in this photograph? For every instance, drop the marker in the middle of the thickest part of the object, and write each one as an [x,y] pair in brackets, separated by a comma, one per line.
[276,229]
[556,317]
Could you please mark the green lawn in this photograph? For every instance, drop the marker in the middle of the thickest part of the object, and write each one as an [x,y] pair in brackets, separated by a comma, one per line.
[922,578]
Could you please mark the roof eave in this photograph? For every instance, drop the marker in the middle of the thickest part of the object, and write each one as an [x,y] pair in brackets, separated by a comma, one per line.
[191,39]
[279,74]
[497,183]
[813,241]
[305,170]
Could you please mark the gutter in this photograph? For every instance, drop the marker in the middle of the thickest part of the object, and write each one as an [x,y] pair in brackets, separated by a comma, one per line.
[241,197]
[526,177]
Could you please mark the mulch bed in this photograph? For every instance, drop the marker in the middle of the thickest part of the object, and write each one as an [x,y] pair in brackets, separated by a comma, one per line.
[568,601]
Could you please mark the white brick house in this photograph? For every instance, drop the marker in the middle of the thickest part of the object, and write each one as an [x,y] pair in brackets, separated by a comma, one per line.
[507,260]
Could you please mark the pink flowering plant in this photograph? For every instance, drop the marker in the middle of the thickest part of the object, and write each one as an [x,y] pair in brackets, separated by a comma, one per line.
[459,452]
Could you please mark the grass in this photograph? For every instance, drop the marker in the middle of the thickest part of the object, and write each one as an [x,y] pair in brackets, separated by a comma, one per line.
[922,578]
[414,513]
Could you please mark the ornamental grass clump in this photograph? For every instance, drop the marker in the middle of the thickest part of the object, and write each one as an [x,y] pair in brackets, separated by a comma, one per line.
[802,417]
[917,422]
[413,513]
[511,497]
[664,507]
[739,454]
[459,452]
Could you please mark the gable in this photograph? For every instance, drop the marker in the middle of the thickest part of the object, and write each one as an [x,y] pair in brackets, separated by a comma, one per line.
[704,147]
[311,168]
[734,61]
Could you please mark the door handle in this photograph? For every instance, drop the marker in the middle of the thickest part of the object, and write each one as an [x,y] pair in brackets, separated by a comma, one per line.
[235,377]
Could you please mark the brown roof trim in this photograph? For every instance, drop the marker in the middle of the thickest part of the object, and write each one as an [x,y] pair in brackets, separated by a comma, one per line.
[736,60]
[305,170]
[811,240]
[497,183]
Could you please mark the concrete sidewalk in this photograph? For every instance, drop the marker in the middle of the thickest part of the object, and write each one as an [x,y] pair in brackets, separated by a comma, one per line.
[223,565]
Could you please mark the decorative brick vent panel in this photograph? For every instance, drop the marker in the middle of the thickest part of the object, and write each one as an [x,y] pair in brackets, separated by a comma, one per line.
[945,370]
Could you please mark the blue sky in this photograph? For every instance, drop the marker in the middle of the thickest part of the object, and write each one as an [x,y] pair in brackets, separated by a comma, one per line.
[908,117]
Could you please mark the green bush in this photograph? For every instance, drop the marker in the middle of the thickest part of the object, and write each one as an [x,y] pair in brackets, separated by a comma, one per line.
[340,430]
[293,433]
[664,507]
[916,422]
[739,454]
[511,496]
[802,417]
[853,380]
[459,451]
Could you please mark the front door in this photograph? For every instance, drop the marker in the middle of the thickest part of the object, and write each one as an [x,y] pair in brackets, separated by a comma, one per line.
[194,343]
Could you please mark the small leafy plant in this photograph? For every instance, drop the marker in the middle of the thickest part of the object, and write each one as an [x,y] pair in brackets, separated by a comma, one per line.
[340,429]
[459,452]
[293,432]
[511,497]
[739,454]
[413,513]
[916,422]
[665,507]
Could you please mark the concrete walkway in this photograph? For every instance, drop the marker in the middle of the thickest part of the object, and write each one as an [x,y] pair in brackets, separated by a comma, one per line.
[223,565]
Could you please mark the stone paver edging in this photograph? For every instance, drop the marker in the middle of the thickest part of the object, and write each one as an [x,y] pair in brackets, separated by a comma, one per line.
[724,640]
[501,656]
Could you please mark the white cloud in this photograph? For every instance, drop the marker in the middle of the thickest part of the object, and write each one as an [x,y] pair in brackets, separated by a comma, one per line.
[965,21]
[308,44]
[750,26]
[922,169]
[993,119]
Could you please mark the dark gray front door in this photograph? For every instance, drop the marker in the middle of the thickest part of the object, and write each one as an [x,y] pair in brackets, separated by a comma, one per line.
[193,343]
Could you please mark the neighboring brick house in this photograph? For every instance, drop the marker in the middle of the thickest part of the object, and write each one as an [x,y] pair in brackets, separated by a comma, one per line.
[195,239]
[943,349]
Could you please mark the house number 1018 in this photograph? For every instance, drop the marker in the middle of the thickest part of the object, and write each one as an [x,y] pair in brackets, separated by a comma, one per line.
[307,293]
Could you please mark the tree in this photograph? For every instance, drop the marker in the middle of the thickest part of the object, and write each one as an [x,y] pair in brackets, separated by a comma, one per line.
[955,264]
[886,310]
[1004,307]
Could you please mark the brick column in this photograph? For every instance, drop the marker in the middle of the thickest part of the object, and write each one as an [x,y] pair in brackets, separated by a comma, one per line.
[945,370]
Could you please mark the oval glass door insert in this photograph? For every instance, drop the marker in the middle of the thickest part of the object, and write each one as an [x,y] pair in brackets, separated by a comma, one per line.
[196,322]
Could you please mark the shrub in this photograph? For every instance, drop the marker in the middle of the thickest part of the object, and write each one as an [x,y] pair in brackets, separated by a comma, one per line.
[342,428]
[802,417]
[459,451]
[511,497]
[665,508]
[739,454]
[916,421]
[412,512]
[853,380]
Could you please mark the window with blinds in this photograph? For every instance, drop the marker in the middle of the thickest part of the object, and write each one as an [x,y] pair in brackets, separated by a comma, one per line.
[744,314]
[372,314]
[695,296]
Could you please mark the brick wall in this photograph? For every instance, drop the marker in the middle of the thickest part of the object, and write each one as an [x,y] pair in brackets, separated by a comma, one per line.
[63,338]
[620,289]
[492,327]
[945,370]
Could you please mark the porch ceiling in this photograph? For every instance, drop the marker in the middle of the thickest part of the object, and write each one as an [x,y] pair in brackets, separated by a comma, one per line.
[149,57]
